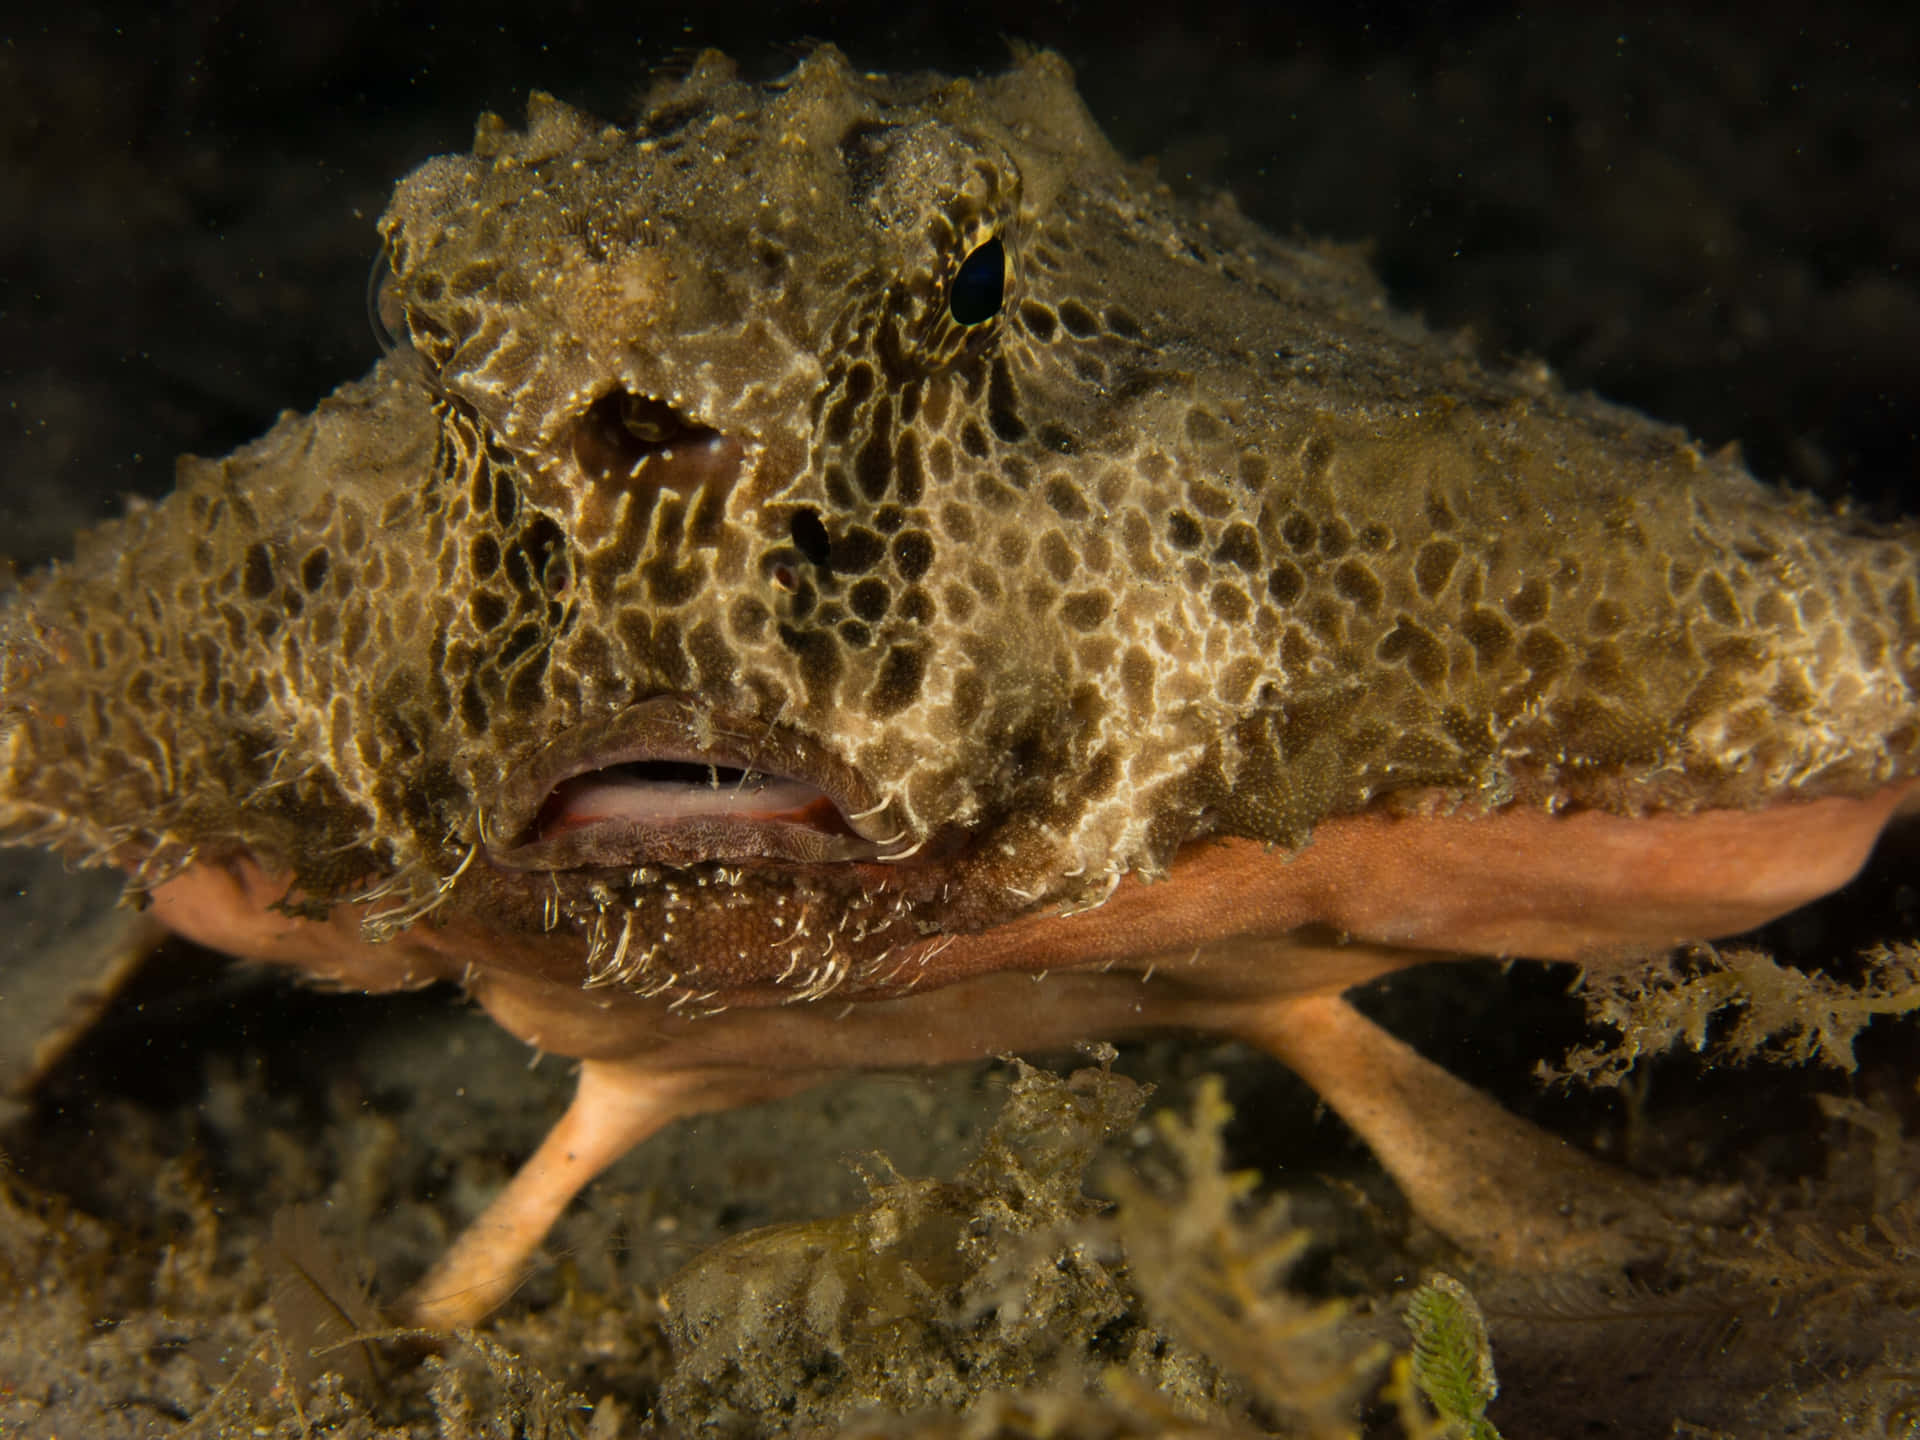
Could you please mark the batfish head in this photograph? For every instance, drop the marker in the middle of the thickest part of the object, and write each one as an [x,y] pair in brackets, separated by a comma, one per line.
[726,540]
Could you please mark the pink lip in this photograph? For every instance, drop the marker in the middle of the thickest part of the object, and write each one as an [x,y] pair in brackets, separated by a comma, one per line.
[665,782]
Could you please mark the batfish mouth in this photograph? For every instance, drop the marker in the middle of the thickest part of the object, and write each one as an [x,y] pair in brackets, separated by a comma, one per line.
[670,782]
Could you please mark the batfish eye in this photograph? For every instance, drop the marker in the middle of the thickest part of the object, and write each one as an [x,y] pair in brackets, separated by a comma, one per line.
[979,284]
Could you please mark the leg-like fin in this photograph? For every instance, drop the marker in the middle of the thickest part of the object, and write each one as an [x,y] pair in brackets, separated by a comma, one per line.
[616,1105]
[1496,1185]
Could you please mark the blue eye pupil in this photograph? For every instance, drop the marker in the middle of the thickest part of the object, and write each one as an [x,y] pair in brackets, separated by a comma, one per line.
[979,284]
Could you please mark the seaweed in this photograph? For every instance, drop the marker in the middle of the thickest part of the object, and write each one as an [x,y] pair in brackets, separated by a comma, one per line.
[1743,1004]
[932,1294]
[323,1308]
[1877,1259]
[1058,1286]
[1798,1321]
[1627,1326]
[516,1401]
[1210,1271]
[1452,1356]
[1011,1301]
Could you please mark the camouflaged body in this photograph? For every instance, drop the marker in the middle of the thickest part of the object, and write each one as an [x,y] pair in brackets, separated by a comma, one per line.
[1193,537]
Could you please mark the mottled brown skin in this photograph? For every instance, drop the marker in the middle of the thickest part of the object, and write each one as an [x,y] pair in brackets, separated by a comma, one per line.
[1186,613]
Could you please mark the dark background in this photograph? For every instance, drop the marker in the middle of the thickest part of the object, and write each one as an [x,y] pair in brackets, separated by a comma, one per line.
[1714,216]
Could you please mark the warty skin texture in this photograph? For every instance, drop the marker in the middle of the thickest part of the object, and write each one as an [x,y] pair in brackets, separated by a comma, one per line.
[1186,613]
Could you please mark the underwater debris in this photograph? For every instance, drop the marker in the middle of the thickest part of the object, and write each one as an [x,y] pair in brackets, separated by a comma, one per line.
[41,1235]
[1743,1004]
[184,1275]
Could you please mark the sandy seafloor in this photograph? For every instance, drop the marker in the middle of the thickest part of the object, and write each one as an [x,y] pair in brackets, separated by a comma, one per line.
[1715,217]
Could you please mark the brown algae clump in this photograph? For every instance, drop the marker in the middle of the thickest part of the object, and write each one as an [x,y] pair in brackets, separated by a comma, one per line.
[933,1294]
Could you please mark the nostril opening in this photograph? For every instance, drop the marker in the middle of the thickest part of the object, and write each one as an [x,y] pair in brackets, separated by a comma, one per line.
[621,431]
